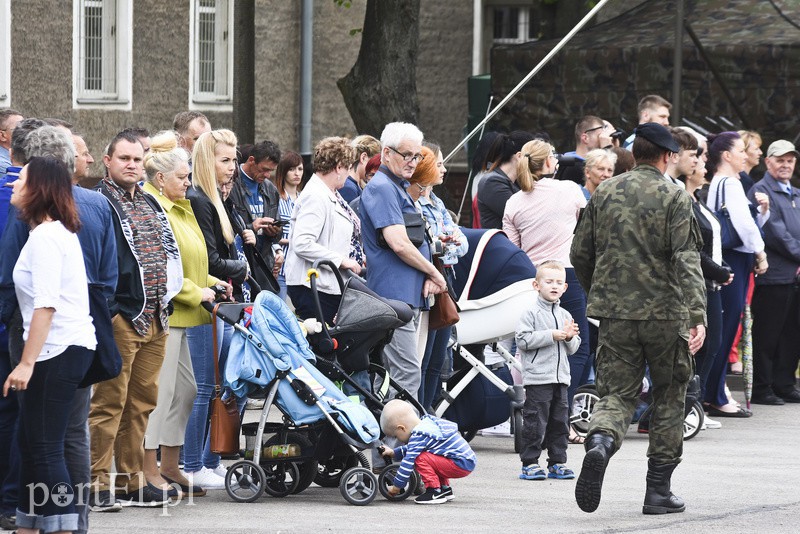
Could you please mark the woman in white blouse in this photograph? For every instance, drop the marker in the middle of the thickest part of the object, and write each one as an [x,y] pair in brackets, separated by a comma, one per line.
[726,159]
[323,227]
[53,295]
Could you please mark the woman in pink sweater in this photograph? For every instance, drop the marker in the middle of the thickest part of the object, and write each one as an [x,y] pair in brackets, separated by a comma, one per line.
[540,219]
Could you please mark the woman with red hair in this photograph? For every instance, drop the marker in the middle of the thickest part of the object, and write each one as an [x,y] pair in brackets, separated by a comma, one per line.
[53,295]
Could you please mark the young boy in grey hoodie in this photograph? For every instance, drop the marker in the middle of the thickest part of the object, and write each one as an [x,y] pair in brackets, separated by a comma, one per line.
[546,335]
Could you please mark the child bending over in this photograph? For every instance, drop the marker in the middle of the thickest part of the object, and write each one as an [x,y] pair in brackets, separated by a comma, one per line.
[546,335]
[435,448]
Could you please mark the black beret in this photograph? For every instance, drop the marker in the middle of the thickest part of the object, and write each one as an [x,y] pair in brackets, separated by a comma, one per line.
[658,135]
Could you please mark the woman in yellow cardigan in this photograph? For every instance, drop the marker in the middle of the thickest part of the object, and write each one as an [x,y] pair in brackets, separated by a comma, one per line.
[190,329]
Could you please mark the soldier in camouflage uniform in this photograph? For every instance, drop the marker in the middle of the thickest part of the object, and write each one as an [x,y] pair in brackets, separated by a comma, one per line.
[636,252]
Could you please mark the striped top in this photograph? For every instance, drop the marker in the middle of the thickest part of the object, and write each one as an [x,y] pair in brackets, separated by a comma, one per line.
[437,436]
[285,207]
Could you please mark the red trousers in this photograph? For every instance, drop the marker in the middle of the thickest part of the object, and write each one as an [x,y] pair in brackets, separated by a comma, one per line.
[436,471]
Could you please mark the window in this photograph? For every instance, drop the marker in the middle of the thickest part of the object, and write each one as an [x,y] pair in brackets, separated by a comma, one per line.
[5,53]
[512,25]
[102,55]
[211,55]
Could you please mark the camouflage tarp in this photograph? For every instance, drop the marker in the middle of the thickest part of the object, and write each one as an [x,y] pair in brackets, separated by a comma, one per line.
[607,68]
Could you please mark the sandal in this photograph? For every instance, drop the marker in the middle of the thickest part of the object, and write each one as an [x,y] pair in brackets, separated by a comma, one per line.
[576,439]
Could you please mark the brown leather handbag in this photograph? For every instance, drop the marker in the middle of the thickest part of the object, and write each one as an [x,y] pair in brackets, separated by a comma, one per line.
[225,419]
[444,311]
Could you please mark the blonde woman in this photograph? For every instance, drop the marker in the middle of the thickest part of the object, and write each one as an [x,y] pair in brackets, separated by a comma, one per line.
[167,168]
[213,164]
[597,167]
[540,219]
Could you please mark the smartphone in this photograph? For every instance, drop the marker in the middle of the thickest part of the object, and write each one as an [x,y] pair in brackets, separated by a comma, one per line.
[280,222]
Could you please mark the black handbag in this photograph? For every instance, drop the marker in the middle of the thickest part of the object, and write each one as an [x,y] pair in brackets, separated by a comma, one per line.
[107,361]
[728,235]
[415,229]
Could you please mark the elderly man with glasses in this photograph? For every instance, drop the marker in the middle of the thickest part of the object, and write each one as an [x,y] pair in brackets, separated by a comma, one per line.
[396,267]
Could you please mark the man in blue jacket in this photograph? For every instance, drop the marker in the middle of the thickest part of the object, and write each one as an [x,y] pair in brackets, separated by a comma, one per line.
[776,303]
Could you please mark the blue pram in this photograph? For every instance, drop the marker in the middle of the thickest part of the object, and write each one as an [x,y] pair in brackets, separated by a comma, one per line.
[270,358]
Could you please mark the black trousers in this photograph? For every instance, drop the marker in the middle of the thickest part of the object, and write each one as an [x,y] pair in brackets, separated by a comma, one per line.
[776,339]
[545,424]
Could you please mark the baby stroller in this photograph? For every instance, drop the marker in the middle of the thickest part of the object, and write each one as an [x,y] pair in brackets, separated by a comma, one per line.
[364,324]
[494,288]
[270,357]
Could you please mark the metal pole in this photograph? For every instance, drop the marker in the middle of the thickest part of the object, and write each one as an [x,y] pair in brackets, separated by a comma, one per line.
[477,36]
[677,71]
[717,76]
[244,90]
[530,75]
[306,62]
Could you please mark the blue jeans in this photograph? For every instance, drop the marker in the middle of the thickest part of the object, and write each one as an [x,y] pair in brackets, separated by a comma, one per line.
[574,301]
[282,285]
[77,453]
[9,410]
[710,367]
[45,410]
[432,362]
[201,349]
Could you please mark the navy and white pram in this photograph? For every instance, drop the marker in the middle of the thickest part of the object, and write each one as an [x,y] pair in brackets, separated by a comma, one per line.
[494,288]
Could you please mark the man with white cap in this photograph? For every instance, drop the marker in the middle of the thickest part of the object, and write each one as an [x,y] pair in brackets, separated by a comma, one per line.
[776,297]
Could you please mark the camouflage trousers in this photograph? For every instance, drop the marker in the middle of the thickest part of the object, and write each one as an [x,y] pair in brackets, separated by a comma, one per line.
[624,349]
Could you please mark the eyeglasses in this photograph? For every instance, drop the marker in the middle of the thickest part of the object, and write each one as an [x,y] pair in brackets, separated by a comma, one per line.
[408,157]
[601,127]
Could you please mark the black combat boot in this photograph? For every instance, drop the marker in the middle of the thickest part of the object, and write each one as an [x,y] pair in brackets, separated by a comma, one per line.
[658,499]
[599,448]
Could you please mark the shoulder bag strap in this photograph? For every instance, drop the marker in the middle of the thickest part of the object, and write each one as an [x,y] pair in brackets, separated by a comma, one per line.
[721,190]
[217,382]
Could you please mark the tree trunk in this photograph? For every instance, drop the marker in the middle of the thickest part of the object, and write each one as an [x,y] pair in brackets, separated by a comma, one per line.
[382,85]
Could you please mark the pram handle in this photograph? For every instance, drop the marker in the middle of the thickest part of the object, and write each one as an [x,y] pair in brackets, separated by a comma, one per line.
[326,344]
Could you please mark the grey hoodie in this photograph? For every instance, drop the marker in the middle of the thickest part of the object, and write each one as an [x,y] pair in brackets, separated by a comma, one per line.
[544,361]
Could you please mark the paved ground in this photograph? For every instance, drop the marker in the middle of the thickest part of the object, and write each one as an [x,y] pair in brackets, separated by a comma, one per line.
[740,478]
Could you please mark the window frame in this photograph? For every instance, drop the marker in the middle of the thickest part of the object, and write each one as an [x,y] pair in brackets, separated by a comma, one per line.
[5,53]
[122,32]
[212,101]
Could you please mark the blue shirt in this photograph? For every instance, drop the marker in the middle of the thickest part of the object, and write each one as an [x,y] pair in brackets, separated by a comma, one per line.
[97,239]
[5,160]
[97,242]
[5,203]
[350,190]
[383,203]
[255,202]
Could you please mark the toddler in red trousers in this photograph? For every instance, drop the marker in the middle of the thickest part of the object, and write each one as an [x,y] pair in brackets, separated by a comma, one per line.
[434,446]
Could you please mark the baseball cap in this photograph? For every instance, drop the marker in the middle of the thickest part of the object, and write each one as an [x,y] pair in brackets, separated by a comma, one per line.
[781,148]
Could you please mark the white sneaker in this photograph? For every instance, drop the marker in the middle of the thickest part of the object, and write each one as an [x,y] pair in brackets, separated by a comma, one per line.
[220,471]
[206,479]
[503,429]
[711,423]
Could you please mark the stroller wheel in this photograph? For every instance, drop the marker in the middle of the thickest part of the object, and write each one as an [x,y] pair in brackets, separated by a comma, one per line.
[308,468]
[329,472]
[281,478]
[386,479]
[358,486]
[517,418]
[583,404]
[693,422]
[245,481]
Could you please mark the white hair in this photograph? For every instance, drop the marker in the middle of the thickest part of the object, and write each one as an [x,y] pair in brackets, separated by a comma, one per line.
[700,137]
[395,133]
[51,141]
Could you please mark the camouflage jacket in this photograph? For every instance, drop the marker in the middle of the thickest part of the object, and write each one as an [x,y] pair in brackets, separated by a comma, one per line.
[635,250]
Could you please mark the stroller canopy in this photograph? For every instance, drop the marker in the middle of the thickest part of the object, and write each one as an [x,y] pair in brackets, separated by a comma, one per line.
[501,264]
[361,309]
